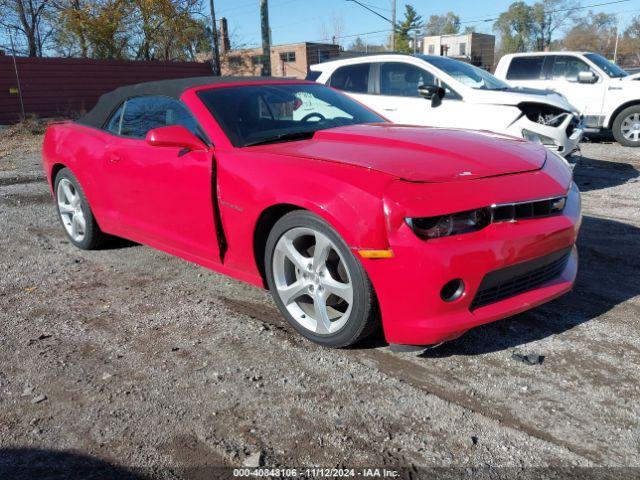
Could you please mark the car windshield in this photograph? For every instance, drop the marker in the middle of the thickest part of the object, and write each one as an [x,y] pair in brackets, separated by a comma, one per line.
[608,67]
[466,74]
[259,114]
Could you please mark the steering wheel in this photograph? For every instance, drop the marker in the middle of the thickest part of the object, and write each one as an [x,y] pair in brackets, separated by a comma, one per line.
[311,115]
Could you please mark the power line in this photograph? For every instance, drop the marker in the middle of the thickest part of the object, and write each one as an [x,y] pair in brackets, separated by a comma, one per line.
[376,7]
[491,19]
[362,34]
[291,24]
[372,11]
[249,9]
[352,35]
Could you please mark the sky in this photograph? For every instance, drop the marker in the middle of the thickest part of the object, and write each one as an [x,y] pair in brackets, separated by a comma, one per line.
[310,20]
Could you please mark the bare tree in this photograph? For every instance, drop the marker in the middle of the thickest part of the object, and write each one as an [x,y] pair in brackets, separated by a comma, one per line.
[27,19]
[333,30]
[594,32]
[446,24]
[548,16]
[630,43]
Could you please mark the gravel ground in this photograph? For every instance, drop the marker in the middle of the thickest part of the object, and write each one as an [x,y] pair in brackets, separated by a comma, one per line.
[127,358]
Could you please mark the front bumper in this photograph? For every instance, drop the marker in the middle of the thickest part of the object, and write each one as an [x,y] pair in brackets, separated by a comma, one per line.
[409,285]
[563,139]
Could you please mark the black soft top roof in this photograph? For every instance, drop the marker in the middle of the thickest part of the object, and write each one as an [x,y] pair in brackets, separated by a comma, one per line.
[108,102]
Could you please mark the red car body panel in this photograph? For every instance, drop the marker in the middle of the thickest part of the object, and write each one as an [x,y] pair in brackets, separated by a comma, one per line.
[363,180]
[443,155]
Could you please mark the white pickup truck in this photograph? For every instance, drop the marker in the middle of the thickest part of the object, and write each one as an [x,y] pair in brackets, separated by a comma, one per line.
[605,94]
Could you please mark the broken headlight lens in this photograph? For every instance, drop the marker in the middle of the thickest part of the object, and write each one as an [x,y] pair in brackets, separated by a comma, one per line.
[447,225]
[537,138]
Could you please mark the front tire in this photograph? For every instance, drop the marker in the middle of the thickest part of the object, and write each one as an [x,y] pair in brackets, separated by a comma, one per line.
[626,127]
[74,212]
[317,283]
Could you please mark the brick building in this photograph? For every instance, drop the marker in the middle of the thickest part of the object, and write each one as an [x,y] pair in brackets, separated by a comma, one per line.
[291,60]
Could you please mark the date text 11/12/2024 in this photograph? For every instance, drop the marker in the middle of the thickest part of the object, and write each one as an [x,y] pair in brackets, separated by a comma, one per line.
[285,473]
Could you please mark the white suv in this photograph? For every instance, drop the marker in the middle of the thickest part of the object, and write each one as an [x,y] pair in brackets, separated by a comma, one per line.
[460,96]
[604,94]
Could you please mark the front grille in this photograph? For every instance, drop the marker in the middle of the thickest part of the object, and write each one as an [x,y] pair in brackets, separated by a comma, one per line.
[509,212]
[511,281]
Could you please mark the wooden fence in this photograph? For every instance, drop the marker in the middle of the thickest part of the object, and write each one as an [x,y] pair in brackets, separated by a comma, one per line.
[53,87]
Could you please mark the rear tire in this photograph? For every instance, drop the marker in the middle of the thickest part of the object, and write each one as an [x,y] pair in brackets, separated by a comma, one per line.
[74,212]
[626,127]
[317,283]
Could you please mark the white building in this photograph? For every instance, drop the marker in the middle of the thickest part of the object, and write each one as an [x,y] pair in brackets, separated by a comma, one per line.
[475,48]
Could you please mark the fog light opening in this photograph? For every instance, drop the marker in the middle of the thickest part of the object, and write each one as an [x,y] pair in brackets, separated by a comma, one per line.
[452,290]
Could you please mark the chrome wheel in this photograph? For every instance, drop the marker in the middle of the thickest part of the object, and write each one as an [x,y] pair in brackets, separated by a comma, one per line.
[70,209]
[312,280]
[630,127]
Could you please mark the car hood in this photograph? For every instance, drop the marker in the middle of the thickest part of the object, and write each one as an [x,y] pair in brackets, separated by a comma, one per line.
[418,154]
[517,95]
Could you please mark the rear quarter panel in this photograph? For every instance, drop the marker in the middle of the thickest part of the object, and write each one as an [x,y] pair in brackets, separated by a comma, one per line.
[80,149]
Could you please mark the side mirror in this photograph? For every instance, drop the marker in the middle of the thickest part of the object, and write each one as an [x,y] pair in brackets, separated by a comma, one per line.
[174,136]
[587,77]
[433,93]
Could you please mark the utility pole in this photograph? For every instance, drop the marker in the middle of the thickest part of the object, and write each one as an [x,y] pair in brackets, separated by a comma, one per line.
[615,50]
[215,54]
[15,67]
[266,38]
[393,25]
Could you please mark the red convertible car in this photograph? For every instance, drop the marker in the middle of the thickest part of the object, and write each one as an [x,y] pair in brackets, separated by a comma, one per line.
[351,222]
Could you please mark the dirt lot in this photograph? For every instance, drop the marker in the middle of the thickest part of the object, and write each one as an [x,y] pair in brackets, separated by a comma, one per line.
[127,357]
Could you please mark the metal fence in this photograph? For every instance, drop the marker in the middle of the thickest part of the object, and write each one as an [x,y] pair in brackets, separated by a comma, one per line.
[55,87]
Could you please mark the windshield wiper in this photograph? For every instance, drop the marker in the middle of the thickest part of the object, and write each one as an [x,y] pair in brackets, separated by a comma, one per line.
[283,137]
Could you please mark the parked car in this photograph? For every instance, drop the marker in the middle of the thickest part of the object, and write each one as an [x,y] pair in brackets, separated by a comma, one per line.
[459,96]
[347,219]
[600,89]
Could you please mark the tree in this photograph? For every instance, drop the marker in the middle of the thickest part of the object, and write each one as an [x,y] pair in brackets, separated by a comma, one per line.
[161,26]
[92,28]
[140,29]
[446,24]
[27,19]
[594,32]
[515,27]
[70,36]
[333,31]
[404,30]
[359,45]
[629,48]
[547,17]
[106,29]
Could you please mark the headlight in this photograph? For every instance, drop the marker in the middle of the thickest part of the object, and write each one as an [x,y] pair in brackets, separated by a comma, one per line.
[446,225]
[537,138]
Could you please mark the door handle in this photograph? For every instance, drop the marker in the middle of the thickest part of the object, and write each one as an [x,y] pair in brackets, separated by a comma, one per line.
[390,109]
[113,158]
